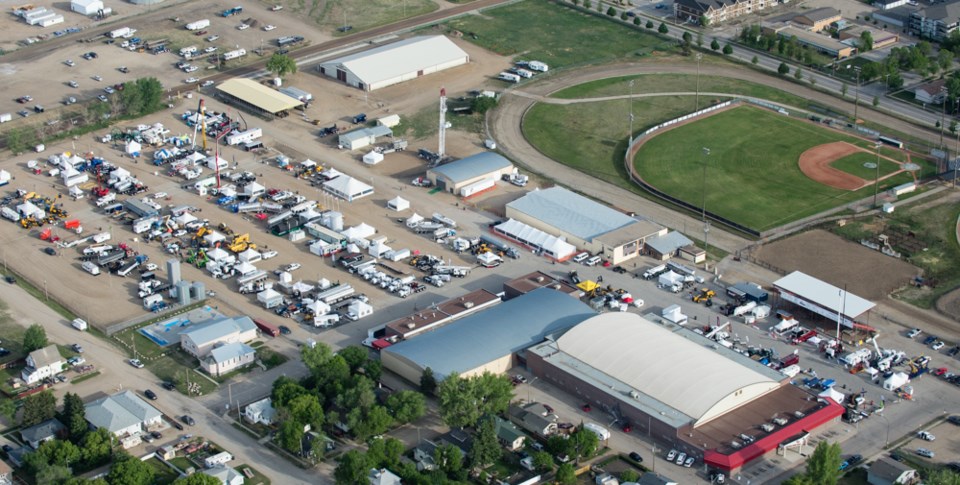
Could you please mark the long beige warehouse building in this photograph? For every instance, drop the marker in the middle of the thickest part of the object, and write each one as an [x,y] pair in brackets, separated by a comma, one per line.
[395,63]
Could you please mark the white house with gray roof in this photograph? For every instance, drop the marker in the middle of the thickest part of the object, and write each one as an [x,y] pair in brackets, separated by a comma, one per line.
[261,411]
[202,339]
[226,475]
[122,414]
[227,357]
[42,363]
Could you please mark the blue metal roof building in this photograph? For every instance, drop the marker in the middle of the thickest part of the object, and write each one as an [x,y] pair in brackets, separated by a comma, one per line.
[487,341]
[567,212]
[455,175]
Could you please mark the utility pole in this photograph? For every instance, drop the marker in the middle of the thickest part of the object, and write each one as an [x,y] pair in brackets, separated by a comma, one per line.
[943,112]
[703,206]
[697,98]
[856,102]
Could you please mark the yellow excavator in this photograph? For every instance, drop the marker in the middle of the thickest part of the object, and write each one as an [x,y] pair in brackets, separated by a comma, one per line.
[241,243]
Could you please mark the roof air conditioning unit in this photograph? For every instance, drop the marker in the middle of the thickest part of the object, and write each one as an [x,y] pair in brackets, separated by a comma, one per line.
[539,279]
[411,325]
[468,304]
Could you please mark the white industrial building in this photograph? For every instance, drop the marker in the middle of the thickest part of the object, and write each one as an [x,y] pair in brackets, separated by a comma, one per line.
[86,7]
[395,63]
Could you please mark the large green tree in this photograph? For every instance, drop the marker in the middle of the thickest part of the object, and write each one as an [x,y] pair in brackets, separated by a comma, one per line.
[38,408]
[59,452]
[463,401]
[198,479]
[428,382]
[306,409]
[74,416]
[96,447]
[129,470]
[448,458]
[942,476]
[281,65]
[406,406]
[352,468]
[384,453]
[285,390]
[585,442]
[290,434]
[35,338]
[823,466]
[485,449]
[53,474]
[566,474]
[543,461]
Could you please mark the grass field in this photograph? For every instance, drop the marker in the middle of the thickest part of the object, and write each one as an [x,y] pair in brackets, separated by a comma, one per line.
[853,164]
[560,36]
[752,176]
[333,14]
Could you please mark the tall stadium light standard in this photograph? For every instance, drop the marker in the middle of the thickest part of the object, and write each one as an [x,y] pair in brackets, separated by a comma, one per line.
[703,205]
[697,98]
[876,178]
[631,115]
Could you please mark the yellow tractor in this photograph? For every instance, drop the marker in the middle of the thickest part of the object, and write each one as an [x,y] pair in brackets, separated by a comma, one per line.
[28,222]
[704,295]
[226,230]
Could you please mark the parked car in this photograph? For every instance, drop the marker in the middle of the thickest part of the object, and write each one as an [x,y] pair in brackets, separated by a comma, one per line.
[73,84]
[69,62]
[937,345]
[955,420]
[212,38]
[930,340]
[268,254]
[50,251]
[292,267]
[210,49]
[124,69]
[689,461]
[925,453]
[671,455]
[168,385]
[109,90]
[23,113]
[188,420]
[207,84]
[636,457]
[136,363]
[268,28]
[191,80]
[156,434]
[77,348]
[285,330]
[913,333]
[150,395]
[926,436]
[176,425]
[102,98]
[681,457]
[97,78]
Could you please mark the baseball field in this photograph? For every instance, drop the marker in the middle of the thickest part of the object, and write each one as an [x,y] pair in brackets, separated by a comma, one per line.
[765,169]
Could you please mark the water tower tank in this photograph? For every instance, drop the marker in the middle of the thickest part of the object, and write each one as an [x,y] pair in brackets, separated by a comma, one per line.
[199,291]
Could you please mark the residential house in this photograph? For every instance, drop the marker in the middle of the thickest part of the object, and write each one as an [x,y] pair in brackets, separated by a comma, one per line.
[226,475]
[818,19]
[202,339]
[383,477]
[508,434]
[886,471]
[42,363]
[48,430]
[423,456]
[457,438]
[606,479]
[936,21]
[654,479]
[261,412]
[933,92]
[227,357]
[218,460]
[718,11]
[534,419]
[123,414]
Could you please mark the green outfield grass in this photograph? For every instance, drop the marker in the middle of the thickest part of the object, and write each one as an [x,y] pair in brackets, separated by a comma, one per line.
[853,164]
[752,176]
[561,36]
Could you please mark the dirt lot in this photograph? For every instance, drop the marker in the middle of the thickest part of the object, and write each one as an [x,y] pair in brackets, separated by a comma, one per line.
[840,263]
[112,299]
[44,75]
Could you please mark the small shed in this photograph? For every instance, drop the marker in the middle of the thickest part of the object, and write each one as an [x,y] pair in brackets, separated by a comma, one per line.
[270,298]
[357,139]
[389,121]
[398,204]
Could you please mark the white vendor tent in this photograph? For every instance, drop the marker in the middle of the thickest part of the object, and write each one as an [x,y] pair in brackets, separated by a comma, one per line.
[270,298]
[184,219]
[834,394]
[250,256]
[373,158]
[347,188]
[552,246]
[398,204]
[361,231]
[133,148]
[218,254]
[414,220]
[214,237]
[670,278]
[245,268]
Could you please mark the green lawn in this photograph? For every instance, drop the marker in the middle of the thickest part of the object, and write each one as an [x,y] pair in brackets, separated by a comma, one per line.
[330,15]
[555,34]
[258,478]
[591,137]
[182,463]
[163,474]
[752,173]
[853,164]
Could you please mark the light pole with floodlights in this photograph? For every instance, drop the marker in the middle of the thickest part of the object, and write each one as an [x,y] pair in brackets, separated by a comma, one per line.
[876,178]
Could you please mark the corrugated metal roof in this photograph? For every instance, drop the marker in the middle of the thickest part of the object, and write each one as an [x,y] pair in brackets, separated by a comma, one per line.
[218,329]
[669,243]
[570,212]
[824,294]
[375,131]
[258,95]
[230,351]
[489,335]
[399,58]
[671,368]
[472,167]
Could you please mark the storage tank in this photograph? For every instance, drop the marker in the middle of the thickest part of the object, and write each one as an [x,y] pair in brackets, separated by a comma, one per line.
[334,220]
[173,272]
[183,293]
[199,291]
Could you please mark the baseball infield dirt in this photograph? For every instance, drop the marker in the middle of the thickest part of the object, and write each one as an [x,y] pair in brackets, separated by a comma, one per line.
[815,163]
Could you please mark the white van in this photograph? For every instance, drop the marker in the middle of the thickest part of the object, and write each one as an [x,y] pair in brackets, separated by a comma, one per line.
[91,267]
[791,371]
[581,257]
[593,261]
[602,433]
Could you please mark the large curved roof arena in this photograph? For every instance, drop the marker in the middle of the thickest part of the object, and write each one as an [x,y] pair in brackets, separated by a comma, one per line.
[688,376]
